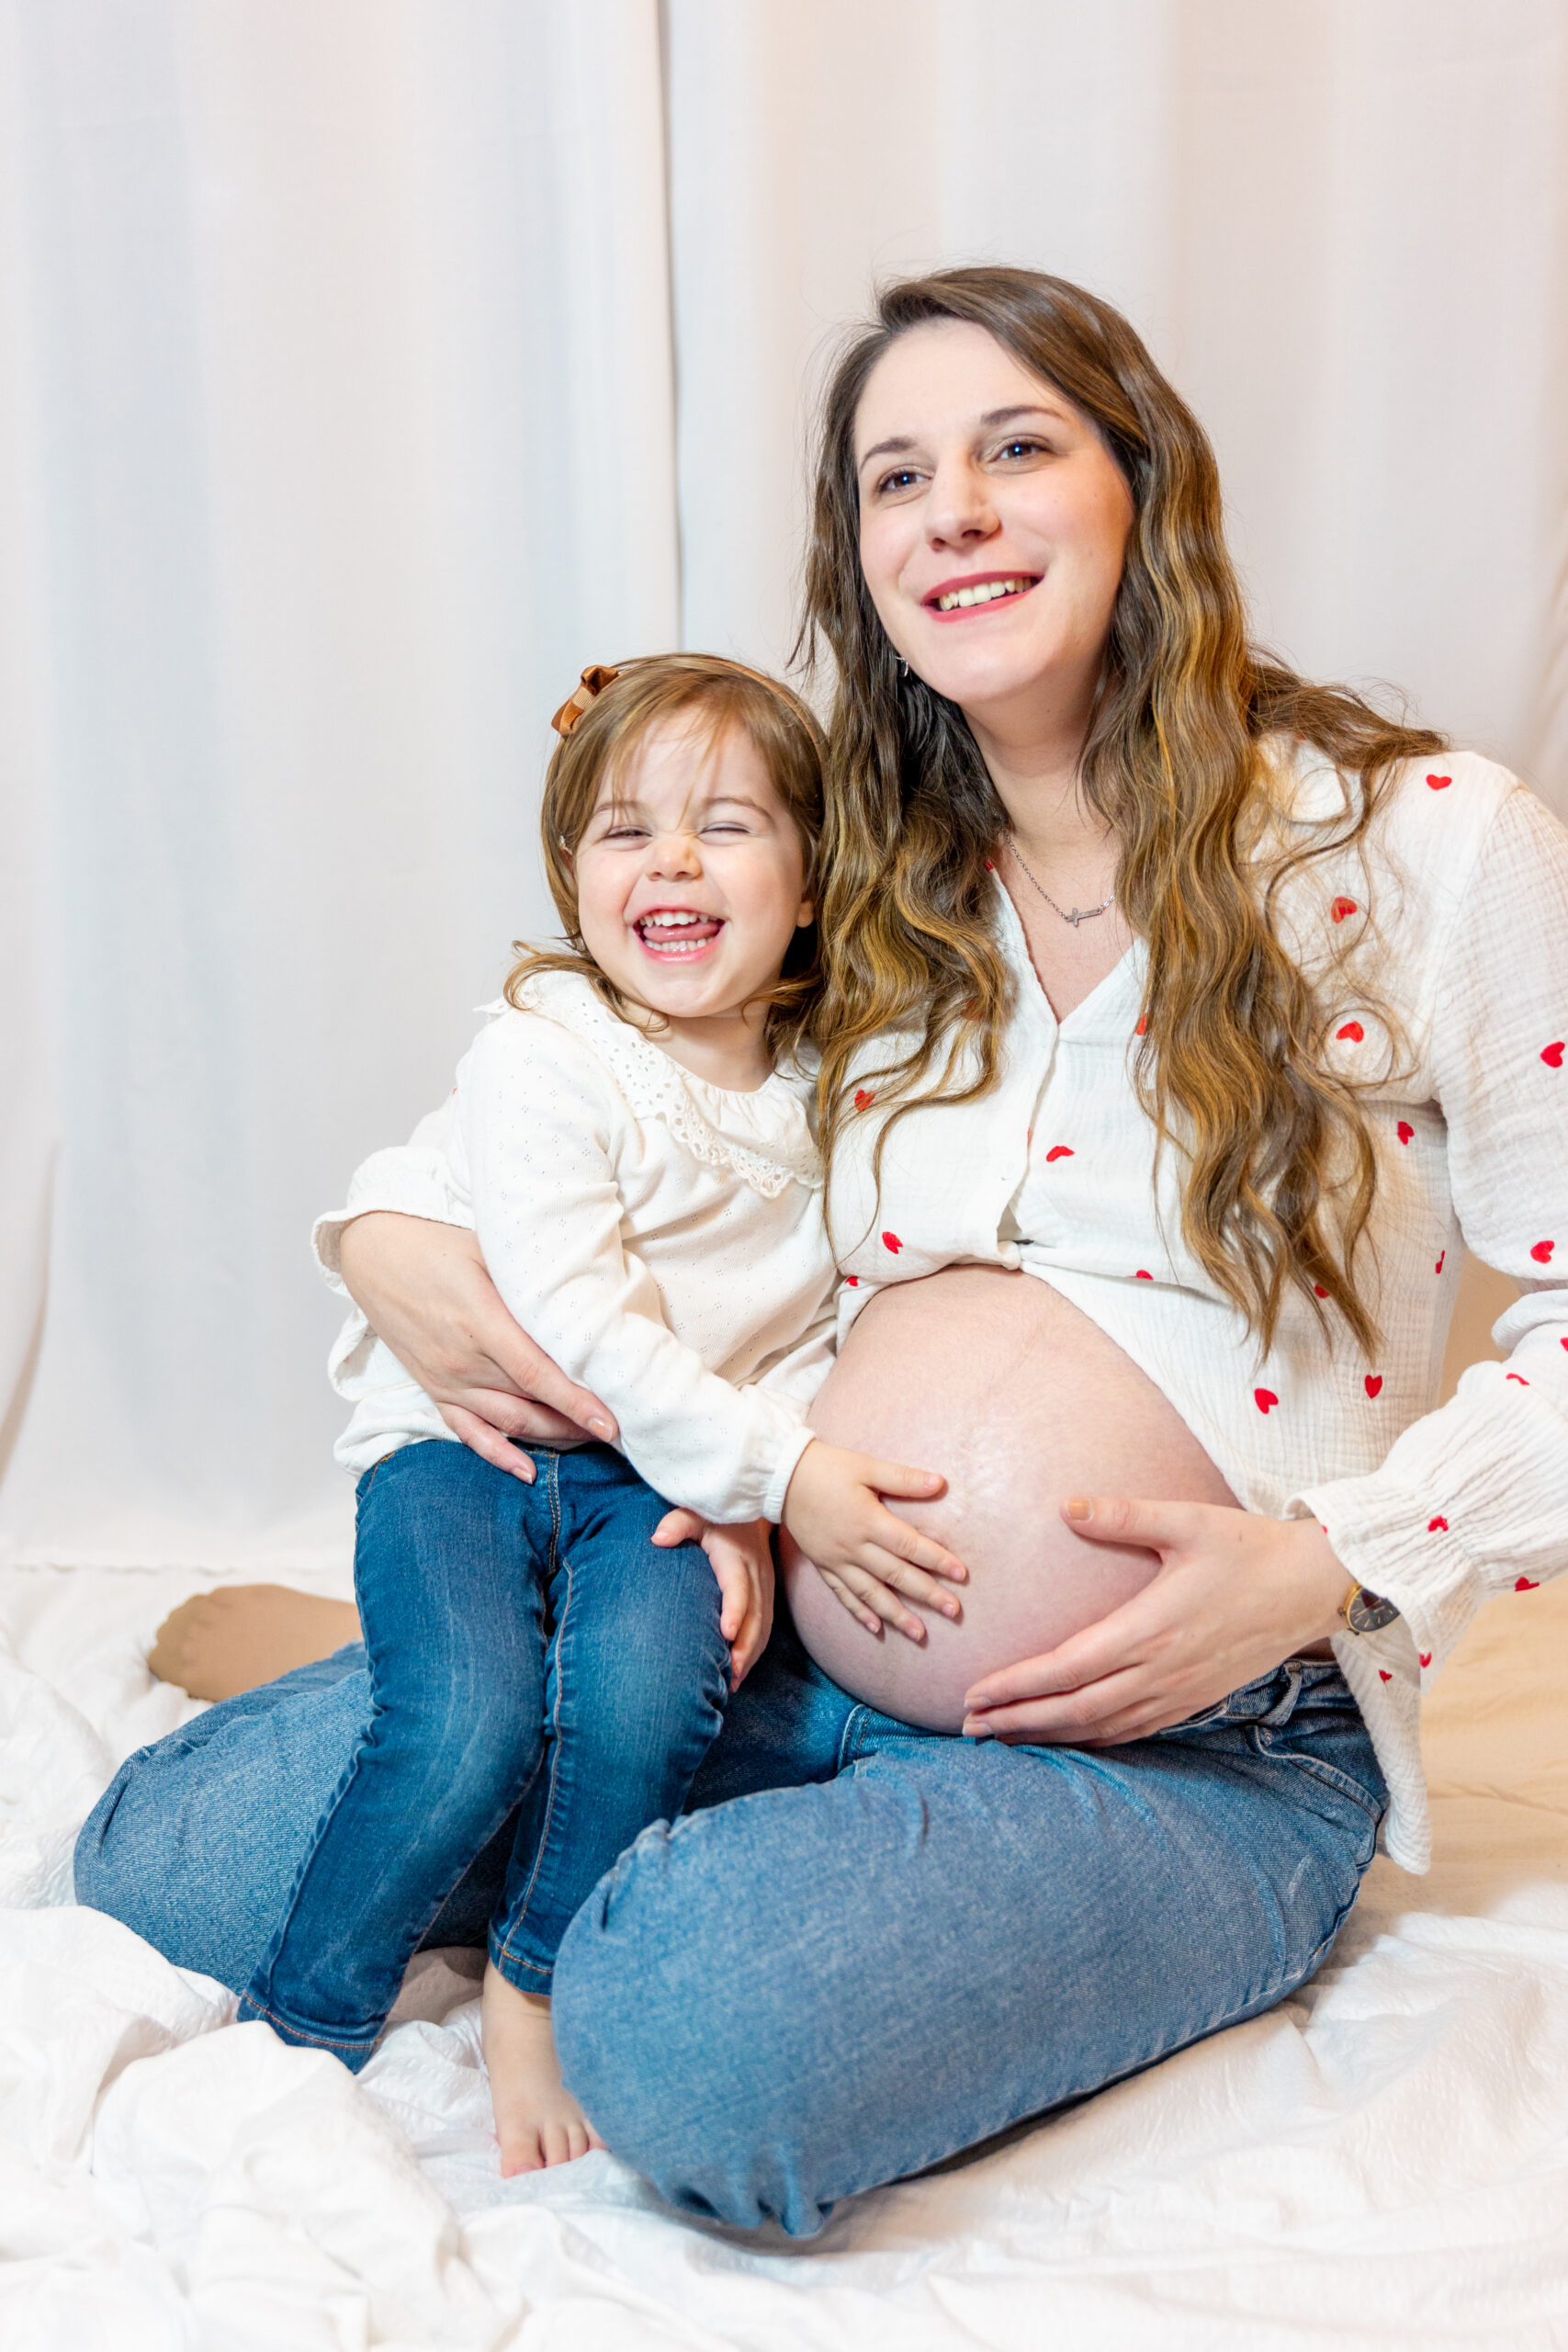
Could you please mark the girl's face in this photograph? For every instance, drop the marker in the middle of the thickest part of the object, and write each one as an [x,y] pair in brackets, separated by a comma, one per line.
[691,881]
[979,482]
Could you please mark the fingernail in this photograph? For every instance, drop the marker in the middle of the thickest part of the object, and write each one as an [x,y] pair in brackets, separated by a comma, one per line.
[978,1706]
[603,1428]
[950,1608]
[973,1730]
[1076,1506]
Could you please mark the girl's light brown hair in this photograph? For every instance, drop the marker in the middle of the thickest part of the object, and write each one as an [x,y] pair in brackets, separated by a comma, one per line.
[1279,1167]
[711,695]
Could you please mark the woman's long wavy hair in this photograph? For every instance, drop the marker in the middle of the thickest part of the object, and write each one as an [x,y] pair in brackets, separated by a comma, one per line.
[1279,1168]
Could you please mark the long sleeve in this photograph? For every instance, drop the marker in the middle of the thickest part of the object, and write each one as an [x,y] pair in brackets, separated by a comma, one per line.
[1472,1499]
[540,1126]
[412,1178]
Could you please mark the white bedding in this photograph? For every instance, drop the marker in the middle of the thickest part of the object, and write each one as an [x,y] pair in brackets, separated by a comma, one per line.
[1381,2162]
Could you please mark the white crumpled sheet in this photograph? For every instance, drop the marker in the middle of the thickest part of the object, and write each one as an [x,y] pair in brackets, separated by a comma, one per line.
[1382,2162]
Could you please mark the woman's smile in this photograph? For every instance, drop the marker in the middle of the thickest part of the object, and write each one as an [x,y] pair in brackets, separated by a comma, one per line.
[979,594]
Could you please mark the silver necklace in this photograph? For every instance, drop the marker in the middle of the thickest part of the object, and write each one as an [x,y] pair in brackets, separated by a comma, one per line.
[1078,914]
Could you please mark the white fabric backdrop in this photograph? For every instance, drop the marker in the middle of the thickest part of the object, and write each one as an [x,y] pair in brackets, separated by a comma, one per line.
[369,365]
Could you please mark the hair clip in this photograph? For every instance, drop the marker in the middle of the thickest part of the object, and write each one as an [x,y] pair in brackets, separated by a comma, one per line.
[595,681]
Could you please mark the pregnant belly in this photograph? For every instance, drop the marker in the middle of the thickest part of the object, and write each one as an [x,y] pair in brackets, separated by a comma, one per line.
[1020,1400]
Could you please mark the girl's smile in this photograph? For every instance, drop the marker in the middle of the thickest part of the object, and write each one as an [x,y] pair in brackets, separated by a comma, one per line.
[691,884]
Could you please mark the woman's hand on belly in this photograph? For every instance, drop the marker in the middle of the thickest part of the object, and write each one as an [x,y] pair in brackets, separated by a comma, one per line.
[1235,1594]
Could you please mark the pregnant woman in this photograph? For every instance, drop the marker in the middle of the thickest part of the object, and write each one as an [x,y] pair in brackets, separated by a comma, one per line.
[1181,1017]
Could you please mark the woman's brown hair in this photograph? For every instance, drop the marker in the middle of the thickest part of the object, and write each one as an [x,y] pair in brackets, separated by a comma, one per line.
[1279,1167]
[713,695]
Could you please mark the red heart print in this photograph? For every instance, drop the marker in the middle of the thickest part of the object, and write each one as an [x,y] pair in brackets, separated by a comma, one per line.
[1383,1674]
[989,868]
[1527,1584]
[1141,1027]
[1542,1251]
[1405,1131]
[1434,1525]
[1439,783]
[1142,1275]
[1438,1268]
[1341,908]
[1264,1399]
[1059,1151]
[864,1097]
[1372,1382]
[1552,1055]
[1424,1657]
[1320,1290]
[891,1241]
[1352,1031]
[851,1282]
[1519,1376]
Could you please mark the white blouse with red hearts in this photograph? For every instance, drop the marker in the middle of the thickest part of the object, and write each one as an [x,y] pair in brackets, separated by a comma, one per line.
[1450,929]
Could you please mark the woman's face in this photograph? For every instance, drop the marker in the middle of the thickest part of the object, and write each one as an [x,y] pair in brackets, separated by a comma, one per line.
[980,483]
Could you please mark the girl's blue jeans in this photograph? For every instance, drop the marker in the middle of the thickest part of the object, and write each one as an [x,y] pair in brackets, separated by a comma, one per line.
[864,1948]
[532,1660]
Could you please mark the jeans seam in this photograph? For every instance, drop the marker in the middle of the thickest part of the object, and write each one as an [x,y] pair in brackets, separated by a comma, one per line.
[303,2033]
[519,1917]
[1330,1777]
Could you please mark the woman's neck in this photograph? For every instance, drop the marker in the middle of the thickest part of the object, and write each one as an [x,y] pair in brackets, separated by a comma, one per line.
[1039,783]
[1035,760]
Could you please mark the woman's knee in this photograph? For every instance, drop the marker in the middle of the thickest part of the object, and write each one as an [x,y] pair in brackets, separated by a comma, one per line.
[657,2027]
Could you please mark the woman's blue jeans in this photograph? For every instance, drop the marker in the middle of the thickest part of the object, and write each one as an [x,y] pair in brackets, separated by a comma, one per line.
[531,1654]
[865,1948]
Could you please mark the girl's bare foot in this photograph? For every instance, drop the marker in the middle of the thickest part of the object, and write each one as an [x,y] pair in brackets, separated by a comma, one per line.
[537,2121]
[222,1643]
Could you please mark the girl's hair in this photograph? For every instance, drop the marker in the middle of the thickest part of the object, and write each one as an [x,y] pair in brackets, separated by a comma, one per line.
[713,695]
[1278,1163]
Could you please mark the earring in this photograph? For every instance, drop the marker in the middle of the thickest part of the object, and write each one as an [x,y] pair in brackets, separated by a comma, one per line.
[903,667]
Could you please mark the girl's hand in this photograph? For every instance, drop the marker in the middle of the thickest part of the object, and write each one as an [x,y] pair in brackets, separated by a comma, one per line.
[742,1559]
[863,1553]
[423,1289]
[1235,1594]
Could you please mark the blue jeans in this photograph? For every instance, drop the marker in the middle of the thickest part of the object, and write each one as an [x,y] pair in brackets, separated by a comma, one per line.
[865,1947]
[531,1654]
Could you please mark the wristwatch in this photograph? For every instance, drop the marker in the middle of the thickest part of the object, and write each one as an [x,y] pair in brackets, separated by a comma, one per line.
[1364,1611]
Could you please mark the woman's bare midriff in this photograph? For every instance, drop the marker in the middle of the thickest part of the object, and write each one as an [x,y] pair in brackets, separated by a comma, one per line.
[1020,1400]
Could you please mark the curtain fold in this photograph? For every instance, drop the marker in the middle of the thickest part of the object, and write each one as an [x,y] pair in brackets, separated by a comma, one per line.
[366,371]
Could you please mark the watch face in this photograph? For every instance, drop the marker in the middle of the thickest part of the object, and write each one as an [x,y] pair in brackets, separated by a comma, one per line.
[1368,1613]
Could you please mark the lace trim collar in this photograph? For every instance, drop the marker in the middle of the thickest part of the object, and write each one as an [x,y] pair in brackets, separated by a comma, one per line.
[764,1137]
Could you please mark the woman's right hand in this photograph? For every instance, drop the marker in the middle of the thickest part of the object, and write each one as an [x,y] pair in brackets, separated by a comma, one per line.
[863,1553]
[423,1290]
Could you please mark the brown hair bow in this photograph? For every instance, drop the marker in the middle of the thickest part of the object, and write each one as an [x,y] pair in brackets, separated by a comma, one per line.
[595,681]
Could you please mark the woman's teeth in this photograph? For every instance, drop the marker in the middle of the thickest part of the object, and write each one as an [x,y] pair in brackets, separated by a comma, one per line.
[984,592]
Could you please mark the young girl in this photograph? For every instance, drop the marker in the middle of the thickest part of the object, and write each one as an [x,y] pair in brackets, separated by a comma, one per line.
[646,1190]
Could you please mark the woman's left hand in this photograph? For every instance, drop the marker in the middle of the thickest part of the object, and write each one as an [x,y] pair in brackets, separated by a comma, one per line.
[1235,1594]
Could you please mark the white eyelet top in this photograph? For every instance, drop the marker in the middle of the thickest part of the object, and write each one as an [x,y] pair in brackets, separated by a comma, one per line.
[660,1238]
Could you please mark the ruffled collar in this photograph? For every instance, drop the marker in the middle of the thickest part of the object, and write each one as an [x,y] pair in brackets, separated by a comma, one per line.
[764,1138]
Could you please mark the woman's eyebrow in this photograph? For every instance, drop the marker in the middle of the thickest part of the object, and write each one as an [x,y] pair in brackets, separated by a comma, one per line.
[902,442]
[1025,407]
[894,448]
